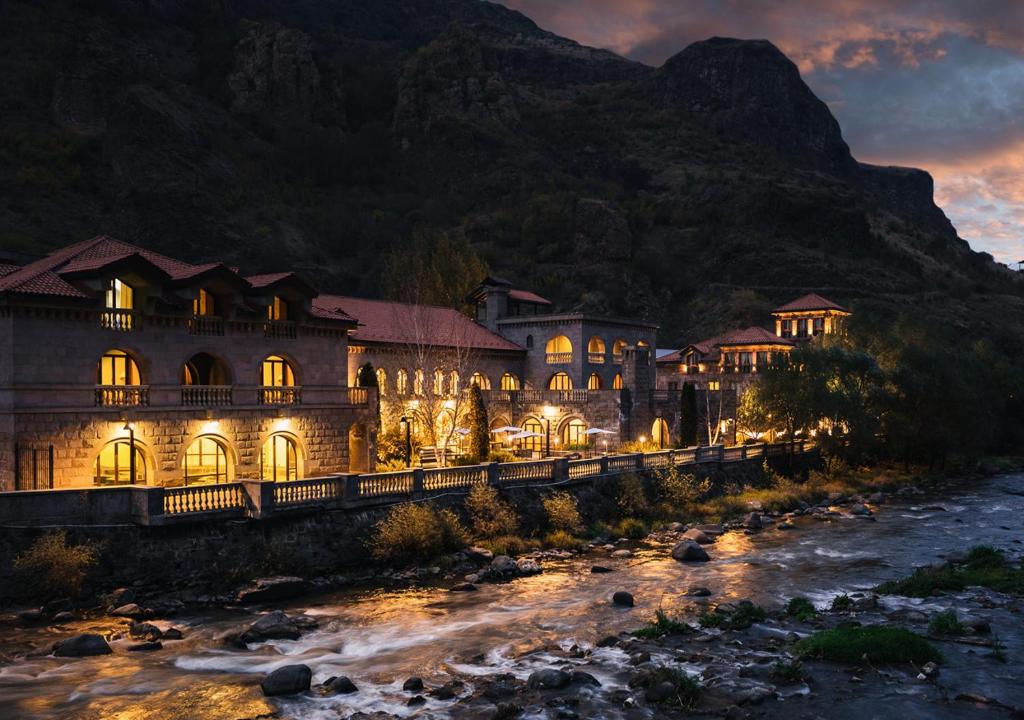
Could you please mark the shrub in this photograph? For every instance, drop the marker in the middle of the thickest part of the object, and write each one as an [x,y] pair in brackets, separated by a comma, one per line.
[686,689]
[874,644]
[745,615]
[983,566]
[479,429]
[788,672]
[662,625]
[678,489]
[632,500]
[711,620]
[562,512]
[489,515]
[51,568]
[982,557]
[563,540]
[511,545]
[842,603]
[801,608]
[630,528]
[413,532]
[946,623]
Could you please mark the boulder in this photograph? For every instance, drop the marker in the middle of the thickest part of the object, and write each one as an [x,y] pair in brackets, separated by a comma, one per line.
[82,645]
[698,591]
[340,686]
[413,684]
[64,616]
[689,551]
[287,680]
[504,565]
[172,633]
[526,566]
[660,692]
[977,625]
[448,691]
[272,589]
[622,554]
[713,529]
[753,521]
[608,641]
[579,677]
[860,509]
[145,630]
[464,587]
[272,626]
[416,700]
[622,599]
[548,679]
[698,536]
[479,554]
[305,622]
[675,527]
[148,646]
[598,569]
[500,687]
[118,597]
[131,610]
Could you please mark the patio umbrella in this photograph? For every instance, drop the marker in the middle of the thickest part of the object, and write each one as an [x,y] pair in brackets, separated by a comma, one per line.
[506,429]
[598,431]
[462,431]
[524,435]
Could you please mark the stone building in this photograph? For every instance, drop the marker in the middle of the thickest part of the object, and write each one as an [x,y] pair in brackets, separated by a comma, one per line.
[120,365]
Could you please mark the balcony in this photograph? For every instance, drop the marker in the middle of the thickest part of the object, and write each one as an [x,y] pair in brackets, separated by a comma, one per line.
[559,358]
[275,395]
[122,395]
[280,329]
[206,395]
[617,358]
[206,325]
[595,358]
[119,320]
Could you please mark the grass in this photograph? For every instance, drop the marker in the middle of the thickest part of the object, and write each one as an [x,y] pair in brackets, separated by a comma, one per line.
[984,566]
[631,528]
[788,672]
[801,608]
[946,623]
[511,545]
[877,644]
[842,603]
[563,540]
[746,615]
[662,625]
[687,690]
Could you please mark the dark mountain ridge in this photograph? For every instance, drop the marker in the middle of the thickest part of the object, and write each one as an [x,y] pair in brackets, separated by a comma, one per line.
[320,134]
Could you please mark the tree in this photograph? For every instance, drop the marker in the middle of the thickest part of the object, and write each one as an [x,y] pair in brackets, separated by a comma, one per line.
[479,429]
[688,415]
[434,269]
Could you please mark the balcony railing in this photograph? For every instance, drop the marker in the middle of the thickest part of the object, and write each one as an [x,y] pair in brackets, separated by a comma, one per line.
[119,319]
[617,358]
[358,396]
[206,325]
[596,358]
[280,329]
[206,395]
[122,395]
[559,358]
[274,395]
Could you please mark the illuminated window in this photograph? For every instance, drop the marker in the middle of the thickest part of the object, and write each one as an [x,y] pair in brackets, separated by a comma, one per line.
[818,326]
[276,375]
[617,347]
[642,344]
[113,465]
[573,433]
[481,381]
[594,382]
[560,381]
[453,382]
[205,462]
[532,425]
[402,382]
[559,350]
[382,381]
[659,432]
[439,382]
[417,382]
[117,368]
[204,304]
[119,296]
[279,459]
[278,309]
[509,382]
[617,381]
[595,350]
[714,385]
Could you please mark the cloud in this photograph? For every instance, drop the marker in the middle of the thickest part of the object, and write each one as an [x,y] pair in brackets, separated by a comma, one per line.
[937,84]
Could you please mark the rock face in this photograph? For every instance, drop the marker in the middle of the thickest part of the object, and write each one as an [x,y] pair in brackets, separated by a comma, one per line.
[82,646]
[287,680]
[689,551]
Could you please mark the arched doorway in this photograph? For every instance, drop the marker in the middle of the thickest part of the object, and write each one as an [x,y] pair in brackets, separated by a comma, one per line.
[358,449]
[204,369]
[114,464]
[534,444]
[573,434]
[659,433]
[206,462]
[280,459]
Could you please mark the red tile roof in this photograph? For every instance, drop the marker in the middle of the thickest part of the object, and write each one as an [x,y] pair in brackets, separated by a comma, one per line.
[7,269]
[812,301]
[258,281]
[747,336]
[383,321]
[527,296]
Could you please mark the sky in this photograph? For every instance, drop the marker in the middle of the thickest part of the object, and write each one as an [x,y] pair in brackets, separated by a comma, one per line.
[935,84]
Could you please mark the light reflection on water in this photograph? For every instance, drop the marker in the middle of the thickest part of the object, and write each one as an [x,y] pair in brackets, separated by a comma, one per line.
[379,638]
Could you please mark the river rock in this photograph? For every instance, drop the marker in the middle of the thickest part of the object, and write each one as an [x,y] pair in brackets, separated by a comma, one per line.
[82,645]
[622,553]
[464,587]
[622,599]
[172,633]
[131,610]
[660,692]
[148,646]
[753,521]
[698,536]
[785,525]
[272,626]
[526,566]
[675,527]
[479,554]
[697,591]
[340,686]
[877,498]
[287,680]
[598,569]
[579,677]
[64,616]
[272,589]
[500,687]
[147,631]
[30,616]
[416,701]
[689,551]
[413,684]
[548,679]
[860,509]
[504,565]
[305,622]
[713,529]
[977,625]
[608,641]
[448,691]
[118,597]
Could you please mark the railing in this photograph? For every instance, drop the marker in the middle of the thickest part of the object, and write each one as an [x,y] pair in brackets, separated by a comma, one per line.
[203,498]
[292,493]
[280,329]
[119,319]
[206,325]
[617,358]
[584,468]
[205,395]
[618,463]
[595,358]
[454,477]
[658,459]
[537,470]
[122,395]
[358,396]
[392,483]
[280,395]
[559,358]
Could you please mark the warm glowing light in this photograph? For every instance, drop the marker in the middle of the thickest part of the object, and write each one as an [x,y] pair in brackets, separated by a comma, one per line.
[282,424]
[211,426]
[549,411]
[643,438]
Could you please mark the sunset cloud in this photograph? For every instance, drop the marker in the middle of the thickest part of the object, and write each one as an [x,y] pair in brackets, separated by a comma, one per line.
[936,84]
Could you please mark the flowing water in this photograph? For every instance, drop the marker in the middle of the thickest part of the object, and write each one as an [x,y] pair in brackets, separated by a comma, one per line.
[380,637]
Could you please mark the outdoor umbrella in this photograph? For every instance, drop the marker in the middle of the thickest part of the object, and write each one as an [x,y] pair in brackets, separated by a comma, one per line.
[506,428]
[598,431]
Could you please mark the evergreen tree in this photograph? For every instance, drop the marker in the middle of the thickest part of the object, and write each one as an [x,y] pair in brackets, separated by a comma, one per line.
[688,415]
[479,433]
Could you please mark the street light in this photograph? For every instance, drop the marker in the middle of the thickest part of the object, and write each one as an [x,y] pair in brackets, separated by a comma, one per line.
[131,452]
[404,421]
[549,412]
[661,432]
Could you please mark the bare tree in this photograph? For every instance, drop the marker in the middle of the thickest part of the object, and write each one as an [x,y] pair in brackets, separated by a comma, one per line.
[715,429]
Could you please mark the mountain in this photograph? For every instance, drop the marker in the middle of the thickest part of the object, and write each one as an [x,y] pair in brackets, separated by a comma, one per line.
[320,134]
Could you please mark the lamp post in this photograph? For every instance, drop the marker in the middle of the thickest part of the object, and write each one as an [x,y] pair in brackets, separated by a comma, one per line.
[661,432]
[404,421]
[549,412]
[131,452]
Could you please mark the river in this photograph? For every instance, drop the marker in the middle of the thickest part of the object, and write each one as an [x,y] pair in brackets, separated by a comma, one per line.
[381,637]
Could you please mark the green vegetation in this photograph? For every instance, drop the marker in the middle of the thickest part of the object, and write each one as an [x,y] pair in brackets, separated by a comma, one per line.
[479,428]
[983,566]
[876,645]
[662,625]
[563,540]
[631,528]
[511,545]
[801,608]
[788,672]
[435,268]
[686,690]
[51,568]
[745,615]
[415,532]
[946,623]
[489,515]
[842,603]
[562,512]
[631,497]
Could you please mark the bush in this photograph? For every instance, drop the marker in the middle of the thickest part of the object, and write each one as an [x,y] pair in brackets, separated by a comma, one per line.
[662,625]
[50,568]
[946,623]
[879,645]
[489,515]
[984,566]
[413,532]
[745,615]
[686,689]
[632,500]
[788,672]
[801,608]
[563,540]
[511,545]
[842,603]
[679,489]
[630,528]
[562,512]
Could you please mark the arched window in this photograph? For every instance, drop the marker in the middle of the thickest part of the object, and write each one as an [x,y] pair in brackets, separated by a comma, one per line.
[439,382]
[558,350]
[119,301]
[560,381]
[205,462]
[453,382]
[278,380]
[642,344]
[114,465]
[509,382]
[533,425]
[595,350]
[617,347]
[279,460]
[617,382]
[529,341]
[481,381]
[204,369]
[594,382]
[204,304]
[382,381]
[659,432]
[278,309]
[417,382]
[573,433]
[118,380]
[402,382]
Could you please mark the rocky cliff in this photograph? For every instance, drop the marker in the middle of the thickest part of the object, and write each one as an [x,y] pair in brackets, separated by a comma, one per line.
[319,134]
